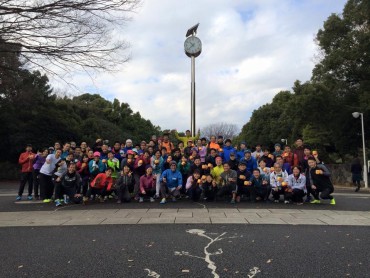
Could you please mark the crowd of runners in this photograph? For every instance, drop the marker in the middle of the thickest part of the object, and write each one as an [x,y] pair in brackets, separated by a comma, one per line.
[193,168]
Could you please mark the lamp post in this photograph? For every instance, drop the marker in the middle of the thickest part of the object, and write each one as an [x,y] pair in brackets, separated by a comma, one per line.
[285,140]
[356,115]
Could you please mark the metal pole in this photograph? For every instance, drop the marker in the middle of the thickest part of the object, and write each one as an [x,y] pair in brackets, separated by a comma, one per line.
[193,96]
[364,151]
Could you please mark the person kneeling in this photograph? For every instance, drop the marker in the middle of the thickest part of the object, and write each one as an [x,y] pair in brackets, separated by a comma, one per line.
[228,183]
[171,183]
[259,186]
[101,185]
[124,182]
[296,189]
[147,185]
[193,186]
[320,182]
[69,187]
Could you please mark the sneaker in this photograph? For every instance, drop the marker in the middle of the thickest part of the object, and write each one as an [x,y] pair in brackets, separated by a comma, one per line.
[315,201]
[258,198]
[101,199]
[47,200]
[237,199]
[105,198]
[286,202]
[174,199]
[357,189]
[141,199]
[232,201]
[276,201]
[18,198]
[119,202]
[163,201]
[85,200]
[332,201]
[151,200]
[37,197]
[58,203]
[308,199]
[29,198]
[299,203]
[156,196]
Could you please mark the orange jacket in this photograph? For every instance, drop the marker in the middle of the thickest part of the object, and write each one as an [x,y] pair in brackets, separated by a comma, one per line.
[290,158]
[101,181]
[215,146]
[169,146]
[26,160]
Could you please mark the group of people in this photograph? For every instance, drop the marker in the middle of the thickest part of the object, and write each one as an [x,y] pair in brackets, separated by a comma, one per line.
[194,168]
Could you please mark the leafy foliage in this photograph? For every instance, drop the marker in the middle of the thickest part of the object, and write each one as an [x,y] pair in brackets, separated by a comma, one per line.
[320,110]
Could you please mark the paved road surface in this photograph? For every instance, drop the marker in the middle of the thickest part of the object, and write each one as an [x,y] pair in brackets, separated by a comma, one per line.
[168,251]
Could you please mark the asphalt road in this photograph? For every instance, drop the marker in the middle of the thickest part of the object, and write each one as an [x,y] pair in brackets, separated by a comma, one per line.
[167,250]
[348,201]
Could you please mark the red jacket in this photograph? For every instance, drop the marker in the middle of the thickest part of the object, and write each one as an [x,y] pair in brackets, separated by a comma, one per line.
[101,181]
[290,158]
[26,161]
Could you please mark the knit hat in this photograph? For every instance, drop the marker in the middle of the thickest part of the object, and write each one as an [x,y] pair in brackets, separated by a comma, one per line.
[173,163]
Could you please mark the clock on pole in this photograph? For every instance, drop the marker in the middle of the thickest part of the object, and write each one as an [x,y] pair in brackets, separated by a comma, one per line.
[193,48]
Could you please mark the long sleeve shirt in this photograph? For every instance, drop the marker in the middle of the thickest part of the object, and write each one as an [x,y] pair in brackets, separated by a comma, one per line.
[147,182]
[297,182]
[276,179]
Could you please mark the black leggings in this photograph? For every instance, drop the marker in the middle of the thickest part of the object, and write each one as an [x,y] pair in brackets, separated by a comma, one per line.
[325,194]
[296,196]
[46,186]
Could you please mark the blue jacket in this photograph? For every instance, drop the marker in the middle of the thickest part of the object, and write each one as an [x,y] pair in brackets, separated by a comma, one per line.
[174,179]
[240,154]
[251,163]
[226,153]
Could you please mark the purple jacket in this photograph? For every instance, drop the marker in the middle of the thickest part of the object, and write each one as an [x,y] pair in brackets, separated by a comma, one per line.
[38,162]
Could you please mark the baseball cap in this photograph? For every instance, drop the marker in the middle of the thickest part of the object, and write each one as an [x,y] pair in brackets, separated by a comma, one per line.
[97,154]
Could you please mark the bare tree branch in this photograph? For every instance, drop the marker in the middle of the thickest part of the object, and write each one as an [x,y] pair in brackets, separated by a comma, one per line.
[228,131]
[67,34]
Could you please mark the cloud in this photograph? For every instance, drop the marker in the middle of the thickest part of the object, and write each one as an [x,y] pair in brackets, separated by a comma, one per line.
[251,51]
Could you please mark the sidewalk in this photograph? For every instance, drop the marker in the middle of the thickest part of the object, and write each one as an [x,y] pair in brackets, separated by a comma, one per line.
[184,216]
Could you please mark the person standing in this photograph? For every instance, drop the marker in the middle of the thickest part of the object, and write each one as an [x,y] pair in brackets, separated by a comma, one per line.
[46,175]
[26,161]
[37,164]
[356,170]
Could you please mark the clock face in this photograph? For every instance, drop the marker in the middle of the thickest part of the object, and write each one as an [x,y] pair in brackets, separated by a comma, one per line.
[193,46]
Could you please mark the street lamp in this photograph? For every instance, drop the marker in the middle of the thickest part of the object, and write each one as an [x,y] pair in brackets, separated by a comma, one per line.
[285,140]
[356,115]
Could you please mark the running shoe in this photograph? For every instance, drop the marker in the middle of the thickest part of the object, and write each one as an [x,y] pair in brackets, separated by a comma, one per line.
[315,201]
[332,201]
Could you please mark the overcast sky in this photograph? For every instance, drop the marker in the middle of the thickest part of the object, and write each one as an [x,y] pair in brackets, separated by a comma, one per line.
[252,49]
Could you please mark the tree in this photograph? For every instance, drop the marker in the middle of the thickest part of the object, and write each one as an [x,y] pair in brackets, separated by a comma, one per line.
[228,131]
[66,34]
